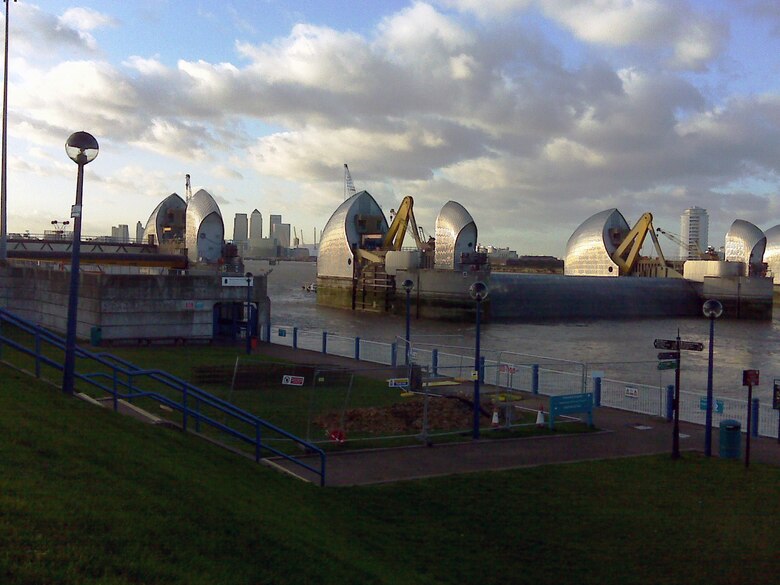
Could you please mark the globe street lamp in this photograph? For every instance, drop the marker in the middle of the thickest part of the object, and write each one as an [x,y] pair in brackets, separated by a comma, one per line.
[408,285]
[711,309]
[82,148]
[249,282]
[478,292]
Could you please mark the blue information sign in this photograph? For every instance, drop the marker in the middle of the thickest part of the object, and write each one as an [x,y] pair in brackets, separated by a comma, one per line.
[571,403]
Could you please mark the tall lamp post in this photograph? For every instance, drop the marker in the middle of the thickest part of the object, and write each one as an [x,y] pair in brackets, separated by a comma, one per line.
[478,292]
[408,286]
[712,309]
[4,154]
[82,148]
[249,282]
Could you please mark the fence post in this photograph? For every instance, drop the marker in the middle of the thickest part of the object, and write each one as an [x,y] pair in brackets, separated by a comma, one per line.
[295,338]
[357,348]
[394,354]
[268,331]
[669,402]
[754,408]
[37,354]
[482,369]
[597,391]
[435,361]
[184,407]
[535,378]
[324,342]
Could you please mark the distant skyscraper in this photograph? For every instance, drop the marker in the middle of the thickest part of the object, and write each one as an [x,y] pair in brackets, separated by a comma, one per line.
[274,221]
[139,233]
[282,234]
[240,228]
[694,232]
[256,225]
[120,234]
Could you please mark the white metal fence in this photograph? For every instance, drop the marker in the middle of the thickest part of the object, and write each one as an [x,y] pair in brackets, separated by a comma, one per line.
[537,374]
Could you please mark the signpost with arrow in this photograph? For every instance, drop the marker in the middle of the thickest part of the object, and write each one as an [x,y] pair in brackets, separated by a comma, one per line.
[671,360]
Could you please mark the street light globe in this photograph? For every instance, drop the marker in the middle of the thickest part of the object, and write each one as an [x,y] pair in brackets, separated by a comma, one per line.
[82,147]
[249,275]
[408,285]
[712,309]
[478,291]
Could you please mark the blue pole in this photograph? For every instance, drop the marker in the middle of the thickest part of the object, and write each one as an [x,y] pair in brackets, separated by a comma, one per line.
[295,338]
[408,323]
[357,348]
[248,313]
[754,416]
[394,354]
[435,361]
[708,418]
[482,369]
[268,331]
[669,402]
[324,342]
[73,299]
[597,391]
[535,379]
[475,429]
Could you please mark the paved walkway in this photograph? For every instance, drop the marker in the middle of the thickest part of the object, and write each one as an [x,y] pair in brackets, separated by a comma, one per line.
[622,434]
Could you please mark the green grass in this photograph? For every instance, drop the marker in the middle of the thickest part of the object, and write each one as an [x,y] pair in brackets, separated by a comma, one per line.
[90,497]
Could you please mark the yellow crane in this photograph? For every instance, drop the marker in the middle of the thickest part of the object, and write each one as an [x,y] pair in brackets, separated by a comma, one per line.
[626,256]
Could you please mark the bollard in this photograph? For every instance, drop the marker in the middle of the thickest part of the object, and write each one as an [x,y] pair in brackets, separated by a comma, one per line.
[597,391]
[669,402]
[324,342]
[435,361]
[535,378]
[357,348]
[295,338]
[754,407]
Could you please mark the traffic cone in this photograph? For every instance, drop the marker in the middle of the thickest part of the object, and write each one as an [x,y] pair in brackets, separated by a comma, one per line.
[494,422]
[540,418]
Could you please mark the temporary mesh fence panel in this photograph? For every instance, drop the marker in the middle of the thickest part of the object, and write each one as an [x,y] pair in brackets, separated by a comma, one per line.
[376,352]
[311,340]
[343,346]
[634,397]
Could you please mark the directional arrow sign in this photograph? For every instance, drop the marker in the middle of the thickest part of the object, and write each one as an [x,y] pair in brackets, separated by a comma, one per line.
[665,344]
[691,345]
[667,365]
[668,355]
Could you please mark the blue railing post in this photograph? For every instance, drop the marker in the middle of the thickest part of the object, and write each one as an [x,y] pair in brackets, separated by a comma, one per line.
[258,445]
[597,391]
[394,354]
[184,407]
[754,408]
[535,378]
[295,338]
[268,332]
[669,402]
[482,369]
[37,354]
[357,348]
[324,342]
[114,388]
[435,361]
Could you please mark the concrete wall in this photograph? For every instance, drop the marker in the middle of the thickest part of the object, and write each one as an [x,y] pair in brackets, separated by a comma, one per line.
[125,306]
[742,297]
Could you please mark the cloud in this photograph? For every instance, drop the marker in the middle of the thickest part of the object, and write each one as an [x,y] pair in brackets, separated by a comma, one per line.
[85,19]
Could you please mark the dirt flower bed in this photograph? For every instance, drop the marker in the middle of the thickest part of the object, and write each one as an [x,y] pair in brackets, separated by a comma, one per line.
[403,417]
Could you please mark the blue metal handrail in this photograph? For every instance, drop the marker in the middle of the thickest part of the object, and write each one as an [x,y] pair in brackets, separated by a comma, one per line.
[128,389]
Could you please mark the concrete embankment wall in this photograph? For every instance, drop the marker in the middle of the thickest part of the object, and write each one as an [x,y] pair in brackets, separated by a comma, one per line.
[125,306]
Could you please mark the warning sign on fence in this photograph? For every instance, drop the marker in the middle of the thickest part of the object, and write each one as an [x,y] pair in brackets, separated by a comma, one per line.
[292,380]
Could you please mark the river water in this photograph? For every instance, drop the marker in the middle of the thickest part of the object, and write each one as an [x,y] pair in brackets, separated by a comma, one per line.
[622,349]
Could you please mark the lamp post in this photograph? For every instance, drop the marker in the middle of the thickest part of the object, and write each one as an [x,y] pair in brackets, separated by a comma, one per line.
[408,286]
[478,292]
[249,282]
[4,154]
[82,148]
[711,309]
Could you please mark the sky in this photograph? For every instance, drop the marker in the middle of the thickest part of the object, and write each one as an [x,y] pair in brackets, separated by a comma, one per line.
[532,114]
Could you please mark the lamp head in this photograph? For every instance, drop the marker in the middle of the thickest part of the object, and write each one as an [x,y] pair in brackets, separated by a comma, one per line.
[478,291]
[408,285]
[712,309]
[249,275]
[82,147]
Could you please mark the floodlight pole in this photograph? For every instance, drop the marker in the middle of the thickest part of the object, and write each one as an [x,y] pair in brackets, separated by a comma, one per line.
[4,154]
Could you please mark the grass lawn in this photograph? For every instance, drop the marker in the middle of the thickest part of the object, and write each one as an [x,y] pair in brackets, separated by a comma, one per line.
[90,497]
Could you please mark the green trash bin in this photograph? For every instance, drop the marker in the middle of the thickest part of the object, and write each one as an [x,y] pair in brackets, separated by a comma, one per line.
[96,336]
[730,439]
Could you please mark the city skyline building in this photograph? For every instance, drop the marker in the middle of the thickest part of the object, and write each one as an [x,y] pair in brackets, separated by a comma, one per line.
[694,232]
[120,233]
[139,233]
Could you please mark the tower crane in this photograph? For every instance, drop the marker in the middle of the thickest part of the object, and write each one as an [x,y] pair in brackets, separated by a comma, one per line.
[349,186]
[692,248]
